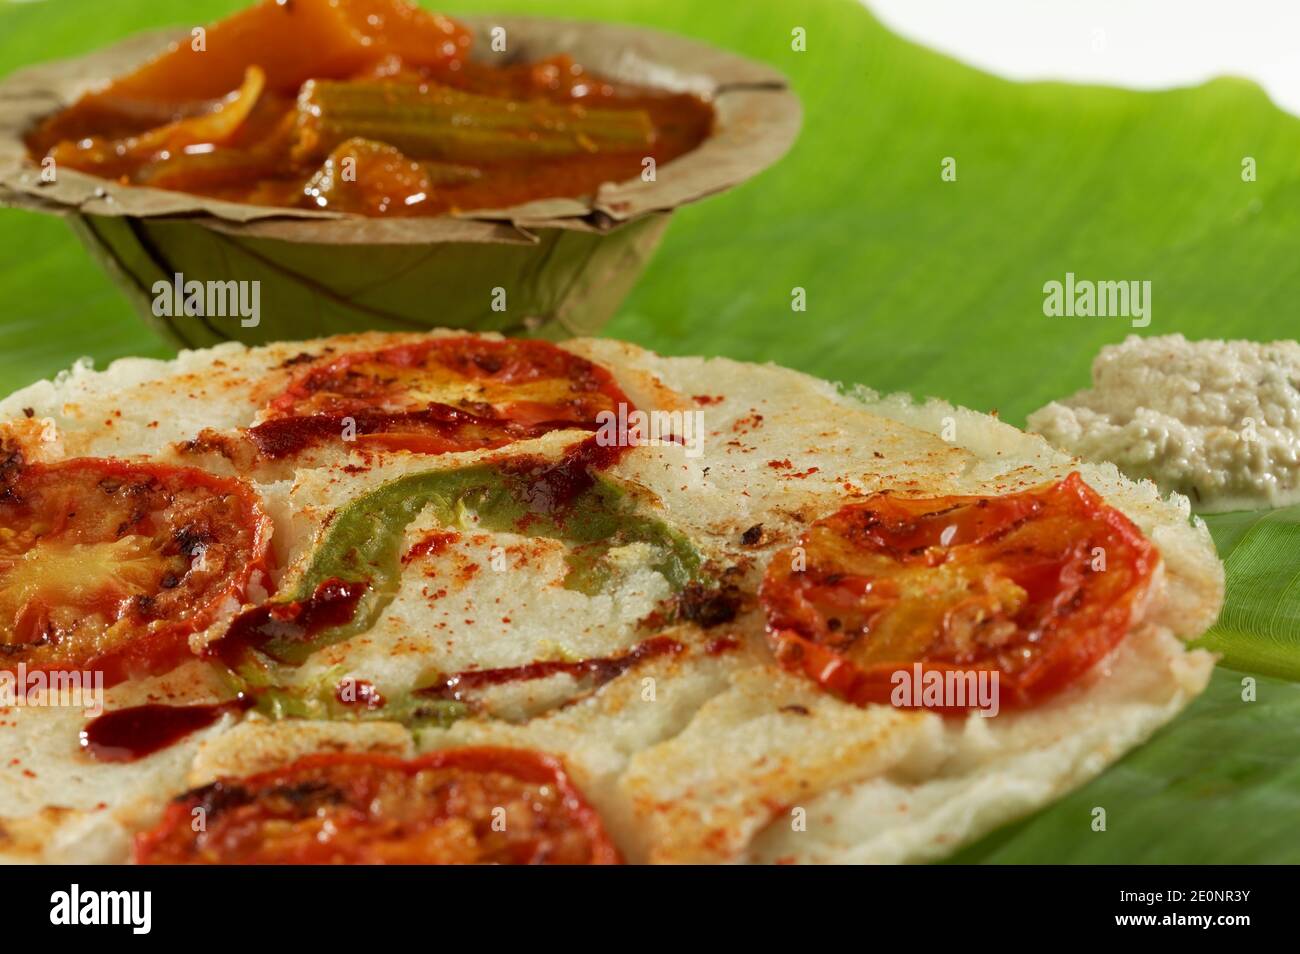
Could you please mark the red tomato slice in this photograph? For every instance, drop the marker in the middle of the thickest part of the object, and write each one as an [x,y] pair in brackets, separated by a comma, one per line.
[107,565]
[440,395]
[1034,586]
[457,806]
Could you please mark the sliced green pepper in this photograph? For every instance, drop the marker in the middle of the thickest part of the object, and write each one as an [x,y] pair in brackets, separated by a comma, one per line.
[363,543]
[409,709]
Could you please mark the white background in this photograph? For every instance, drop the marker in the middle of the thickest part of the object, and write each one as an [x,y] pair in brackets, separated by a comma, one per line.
[1143,44]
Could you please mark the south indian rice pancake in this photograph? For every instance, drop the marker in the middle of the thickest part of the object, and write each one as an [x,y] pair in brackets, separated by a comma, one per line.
[449,597]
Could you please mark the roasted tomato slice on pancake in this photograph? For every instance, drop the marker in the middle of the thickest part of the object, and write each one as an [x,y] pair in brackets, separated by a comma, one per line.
[457,806]
[107,565]
[1035,586]
[439,396]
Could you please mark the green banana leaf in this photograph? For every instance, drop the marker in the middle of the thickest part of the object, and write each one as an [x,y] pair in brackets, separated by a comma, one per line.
[920,284]
[1220,785]
[1259,629]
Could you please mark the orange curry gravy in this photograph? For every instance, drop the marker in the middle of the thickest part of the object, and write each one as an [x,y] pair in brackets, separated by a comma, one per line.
[370,107]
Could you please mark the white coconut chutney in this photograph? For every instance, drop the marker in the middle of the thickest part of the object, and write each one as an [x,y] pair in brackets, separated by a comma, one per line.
[1218,421]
